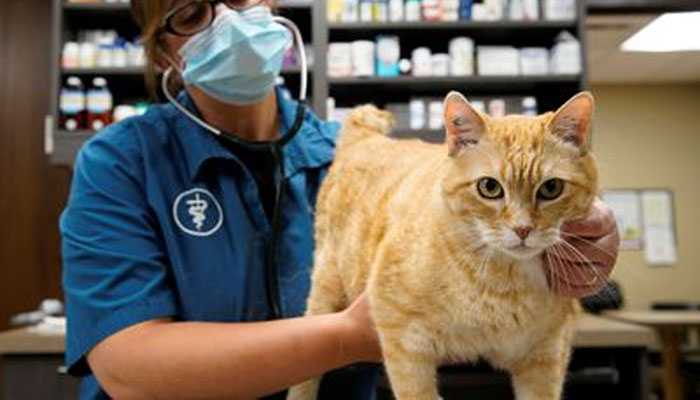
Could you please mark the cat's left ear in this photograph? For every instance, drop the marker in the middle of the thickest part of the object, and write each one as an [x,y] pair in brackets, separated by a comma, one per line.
[572,122]
[464,124]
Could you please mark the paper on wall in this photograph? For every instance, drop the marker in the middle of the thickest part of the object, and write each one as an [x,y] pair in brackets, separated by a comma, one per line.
[626,205]
[659,237]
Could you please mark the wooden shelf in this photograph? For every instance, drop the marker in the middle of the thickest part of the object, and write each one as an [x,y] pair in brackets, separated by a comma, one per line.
[462,25]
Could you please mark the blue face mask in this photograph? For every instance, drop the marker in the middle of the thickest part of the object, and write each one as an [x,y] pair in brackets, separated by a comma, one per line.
[238,58]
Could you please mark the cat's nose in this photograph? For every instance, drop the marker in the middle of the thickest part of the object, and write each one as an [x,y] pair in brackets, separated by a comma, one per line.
[523,231]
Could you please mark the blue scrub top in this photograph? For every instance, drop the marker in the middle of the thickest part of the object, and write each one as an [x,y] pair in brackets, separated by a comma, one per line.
[163,221]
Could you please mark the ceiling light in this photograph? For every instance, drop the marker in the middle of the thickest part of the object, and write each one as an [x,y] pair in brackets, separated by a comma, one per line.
[670,32]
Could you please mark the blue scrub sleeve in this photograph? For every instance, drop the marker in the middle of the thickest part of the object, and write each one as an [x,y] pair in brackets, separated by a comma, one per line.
[114,262]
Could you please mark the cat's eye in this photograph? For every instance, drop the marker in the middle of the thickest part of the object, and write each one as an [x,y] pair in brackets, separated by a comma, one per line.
[490,189]
[551,190]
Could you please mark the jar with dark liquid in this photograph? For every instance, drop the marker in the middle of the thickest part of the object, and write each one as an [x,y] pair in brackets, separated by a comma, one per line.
[72,105]
[99,105]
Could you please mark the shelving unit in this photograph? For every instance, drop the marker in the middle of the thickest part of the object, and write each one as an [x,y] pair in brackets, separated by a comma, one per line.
[551,90]
[465,25]
[127,84]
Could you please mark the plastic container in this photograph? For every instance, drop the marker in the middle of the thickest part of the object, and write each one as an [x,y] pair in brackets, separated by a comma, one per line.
[70,57]
[99,105]
[366,10]
[72,105]
[388,55]
[436,119]
[440,64]
[350,11]
[418,114]
[530,107]
[363,58]
[413,10]
[422,62]
[396,10]
[462,56]
[380,11]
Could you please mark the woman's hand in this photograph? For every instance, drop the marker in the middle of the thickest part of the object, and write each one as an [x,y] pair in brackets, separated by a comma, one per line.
[581,266]
[361,336]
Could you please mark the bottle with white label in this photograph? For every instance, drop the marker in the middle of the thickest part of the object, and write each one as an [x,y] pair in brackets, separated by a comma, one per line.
[396,10]
[72,105]
[99,105]
[529,107]
[366,10]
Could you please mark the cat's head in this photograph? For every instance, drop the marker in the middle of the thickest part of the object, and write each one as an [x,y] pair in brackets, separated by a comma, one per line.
[512,181]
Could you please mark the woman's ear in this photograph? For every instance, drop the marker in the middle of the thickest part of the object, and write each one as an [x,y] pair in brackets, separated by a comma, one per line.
[162,58]
[465,126]
[572,122]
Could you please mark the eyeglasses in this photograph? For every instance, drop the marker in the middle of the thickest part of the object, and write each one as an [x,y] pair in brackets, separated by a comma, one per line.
[191,18]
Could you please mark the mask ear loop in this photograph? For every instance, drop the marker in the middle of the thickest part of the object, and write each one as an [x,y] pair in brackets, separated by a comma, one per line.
[303,90]
[296,33]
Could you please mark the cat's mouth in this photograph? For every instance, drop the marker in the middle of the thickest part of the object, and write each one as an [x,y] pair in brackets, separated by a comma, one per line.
[522,251]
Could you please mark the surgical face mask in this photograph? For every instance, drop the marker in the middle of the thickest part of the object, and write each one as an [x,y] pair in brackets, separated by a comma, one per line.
[238,58]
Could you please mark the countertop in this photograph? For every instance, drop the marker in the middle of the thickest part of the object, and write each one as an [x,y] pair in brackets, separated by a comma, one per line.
[592,331]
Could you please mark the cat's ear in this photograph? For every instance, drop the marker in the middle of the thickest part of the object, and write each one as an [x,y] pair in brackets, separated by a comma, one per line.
[464,124]
[572,122]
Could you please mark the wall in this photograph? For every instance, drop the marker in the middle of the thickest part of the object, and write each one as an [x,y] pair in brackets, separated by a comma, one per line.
[649,136]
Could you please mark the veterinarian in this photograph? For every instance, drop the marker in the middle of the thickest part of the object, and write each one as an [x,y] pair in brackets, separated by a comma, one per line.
[188,235]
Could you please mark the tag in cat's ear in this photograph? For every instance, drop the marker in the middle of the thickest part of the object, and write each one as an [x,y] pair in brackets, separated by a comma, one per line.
[464,124]
[572,122]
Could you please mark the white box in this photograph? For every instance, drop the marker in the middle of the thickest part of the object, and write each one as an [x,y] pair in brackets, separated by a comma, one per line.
[498,61]
[534,61]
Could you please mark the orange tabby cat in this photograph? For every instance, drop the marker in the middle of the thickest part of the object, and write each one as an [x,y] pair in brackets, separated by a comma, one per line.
[448,242]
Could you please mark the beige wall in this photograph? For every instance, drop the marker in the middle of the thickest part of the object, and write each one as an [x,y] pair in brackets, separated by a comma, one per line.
[649,136]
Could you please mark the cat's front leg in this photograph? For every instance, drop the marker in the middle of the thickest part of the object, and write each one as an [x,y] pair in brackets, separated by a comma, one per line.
[540,375]
[410,366]
[542,379]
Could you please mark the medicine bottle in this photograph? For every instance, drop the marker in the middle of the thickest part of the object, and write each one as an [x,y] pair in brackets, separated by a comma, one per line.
[72,105]
[99,105]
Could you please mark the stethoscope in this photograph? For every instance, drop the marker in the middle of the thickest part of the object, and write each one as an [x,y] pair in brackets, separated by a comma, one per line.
[276,148]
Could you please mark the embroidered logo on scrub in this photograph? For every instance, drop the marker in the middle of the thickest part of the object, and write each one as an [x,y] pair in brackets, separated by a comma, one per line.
[198,213]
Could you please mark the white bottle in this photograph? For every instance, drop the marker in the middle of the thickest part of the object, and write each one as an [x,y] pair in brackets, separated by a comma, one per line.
[350,11]
[422,62]
[413,10]
[436,115]
[531,10]
[462,56]
[516,10]
[70,55]
[418,117]
[396,10]
[529,106]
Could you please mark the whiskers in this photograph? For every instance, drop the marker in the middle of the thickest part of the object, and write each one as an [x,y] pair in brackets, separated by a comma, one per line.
[475,251]
[563,250]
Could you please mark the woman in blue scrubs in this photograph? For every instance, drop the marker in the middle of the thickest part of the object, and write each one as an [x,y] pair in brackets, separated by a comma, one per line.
[188,236]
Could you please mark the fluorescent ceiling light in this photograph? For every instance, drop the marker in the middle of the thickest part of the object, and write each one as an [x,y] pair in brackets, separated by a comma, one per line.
[670,32]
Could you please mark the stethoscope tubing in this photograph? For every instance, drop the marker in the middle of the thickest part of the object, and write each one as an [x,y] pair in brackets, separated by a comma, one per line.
[276,148]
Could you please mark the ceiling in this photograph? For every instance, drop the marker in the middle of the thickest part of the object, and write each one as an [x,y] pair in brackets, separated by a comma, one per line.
[607,64]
